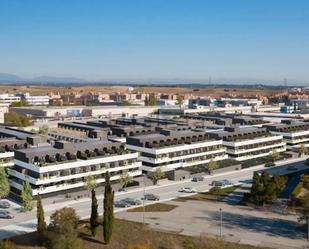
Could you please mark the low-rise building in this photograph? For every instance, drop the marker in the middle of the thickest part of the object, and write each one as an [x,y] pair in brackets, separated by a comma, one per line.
[7,99]
[13,139]
[64,167]
[250,142]
[173,149]
[294,133]
[35,99]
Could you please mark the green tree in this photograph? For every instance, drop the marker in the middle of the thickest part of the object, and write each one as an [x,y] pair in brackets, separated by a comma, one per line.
[302,150]
[15,119]
[91,184]
[6,244]
[62,232]
[108,215]
[43,130]
[125,179]
[180,100]
[41,225]
[275,155]
[266,189]
[146,101]
[26,196]
[20,103]
[152,100]
[157,175]
[212,165]
[4,183]
[94,217]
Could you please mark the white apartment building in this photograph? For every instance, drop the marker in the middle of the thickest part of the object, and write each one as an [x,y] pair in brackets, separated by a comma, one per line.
[63,168]
[248,143]
[7,99]
[172,149]
[294,133]
[36,99]
[13,139]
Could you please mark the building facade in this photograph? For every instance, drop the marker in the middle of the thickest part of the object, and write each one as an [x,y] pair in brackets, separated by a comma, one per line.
[173,149]
[248,143]
[295,133]
[64,167]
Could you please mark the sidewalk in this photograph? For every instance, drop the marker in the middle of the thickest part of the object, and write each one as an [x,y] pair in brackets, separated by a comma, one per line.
[166,183]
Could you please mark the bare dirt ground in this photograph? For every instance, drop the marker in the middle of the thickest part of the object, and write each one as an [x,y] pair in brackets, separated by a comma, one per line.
[213,92]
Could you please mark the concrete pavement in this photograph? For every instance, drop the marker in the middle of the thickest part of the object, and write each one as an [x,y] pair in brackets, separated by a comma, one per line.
[26,222]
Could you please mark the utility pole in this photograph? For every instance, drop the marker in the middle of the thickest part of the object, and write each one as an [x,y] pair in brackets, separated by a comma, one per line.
[220,223]
[144,189]
[308,230]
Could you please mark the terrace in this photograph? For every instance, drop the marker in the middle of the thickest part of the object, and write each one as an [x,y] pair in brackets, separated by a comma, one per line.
[68,152]
[175,138]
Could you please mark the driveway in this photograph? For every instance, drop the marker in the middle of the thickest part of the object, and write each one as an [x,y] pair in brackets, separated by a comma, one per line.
[240,223]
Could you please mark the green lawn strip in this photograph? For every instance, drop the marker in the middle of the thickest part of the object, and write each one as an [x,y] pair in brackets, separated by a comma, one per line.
[206,196]
[156,207]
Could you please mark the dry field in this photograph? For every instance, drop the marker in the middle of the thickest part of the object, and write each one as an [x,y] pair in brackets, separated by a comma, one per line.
[213,92]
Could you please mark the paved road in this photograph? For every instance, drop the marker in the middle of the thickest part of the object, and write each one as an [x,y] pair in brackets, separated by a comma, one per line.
[26,222]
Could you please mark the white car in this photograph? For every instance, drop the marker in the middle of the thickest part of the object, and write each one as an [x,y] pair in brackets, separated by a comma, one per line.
[187,190]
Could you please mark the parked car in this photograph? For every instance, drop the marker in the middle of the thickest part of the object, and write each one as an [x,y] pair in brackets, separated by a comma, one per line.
[187,190]
[217,183]
[5,204]
[198,179]
[151,197]
[6,215]
[132,201]
[4,211]
[307,162]
[226,182]
[270,164]
[291,167]
[121,204]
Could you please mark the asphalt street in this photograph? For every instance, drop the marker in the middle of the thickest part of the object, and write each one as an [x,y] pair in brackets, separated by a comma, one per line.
[167,190]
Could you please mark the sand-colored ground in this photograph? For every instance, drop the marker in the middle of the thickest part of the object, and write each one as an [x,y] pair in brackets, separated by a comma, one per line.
[213,92]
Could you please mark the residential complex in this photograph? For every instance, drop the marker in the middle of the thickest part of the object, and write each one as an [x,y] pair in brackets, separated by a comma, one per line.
[13,139]
[173,149]
[59,162]
[64,167]
[248,143]
[295,133]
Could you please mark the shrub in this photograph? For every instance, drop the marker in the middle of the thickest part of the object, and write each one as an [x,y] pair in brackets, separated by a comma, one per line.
[216,191]
[138,247]
[6,244]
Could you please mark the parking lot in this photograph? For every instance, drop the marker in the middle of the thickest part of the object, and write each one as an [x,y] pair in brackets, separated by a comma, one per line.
[239,223]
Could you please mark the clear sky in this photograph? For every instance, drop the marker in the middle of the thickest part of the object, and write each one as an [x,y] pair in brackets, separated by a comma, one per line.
[156,39]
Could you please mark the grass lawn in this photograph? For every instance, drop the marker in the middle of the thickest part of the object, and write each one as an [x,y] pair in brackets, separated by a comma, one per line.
[206,196]
[131,233]
[156,207]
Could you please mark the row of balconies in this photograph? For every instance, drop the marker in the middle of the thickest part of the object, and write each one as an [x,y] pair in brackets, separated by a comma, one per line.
[87,169]
[255,145]
[177,141]
[87,154]
[257,152]
[241,137]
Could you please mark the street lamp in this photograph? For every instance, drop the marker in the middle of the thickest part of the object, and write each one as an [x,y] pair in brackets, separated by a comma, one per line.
[220,222]
[144,189]
[308,230]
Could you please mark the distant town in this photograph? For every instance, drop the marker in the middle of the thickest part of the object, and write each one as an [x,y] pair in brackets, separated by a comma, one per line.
[194,162]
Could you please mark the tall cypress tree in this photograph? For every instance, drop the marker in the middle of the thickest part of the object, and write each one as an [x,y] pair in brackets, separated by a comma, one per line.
[108,216]
[4,183]
[94,218]
[41,225]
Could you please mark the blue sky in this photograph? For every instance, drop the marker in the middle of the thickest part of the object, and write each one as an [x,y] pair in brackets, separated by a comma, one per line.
[156,39]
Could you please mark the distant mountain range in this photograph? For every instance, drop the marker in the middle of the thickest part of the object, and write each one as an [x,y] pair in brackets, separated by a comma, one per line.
[12,78]
[6,78]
